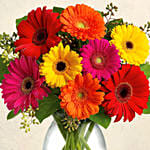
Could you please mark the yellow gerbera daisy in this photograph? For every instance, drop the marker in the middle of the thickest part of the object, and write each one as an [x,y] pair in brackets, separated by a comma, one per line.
[132,43]
[60,65]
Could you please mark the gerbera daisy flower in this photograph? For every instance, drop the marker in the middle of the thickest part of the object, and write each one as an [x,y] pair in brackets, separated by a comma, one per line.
[100,59]
[38,33]
[23,86]
[83,22]
[80,98]
[132,43]
[128,92]
[60,65]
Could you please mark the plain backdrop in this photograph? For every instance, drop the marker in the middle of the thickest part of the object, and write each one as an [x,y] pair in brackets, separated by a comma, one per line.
[119,136]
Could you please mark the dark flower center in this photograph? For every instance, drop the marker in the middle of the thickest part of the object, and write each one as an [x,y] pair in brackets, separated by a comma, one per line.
[27,85]
[97,61]
[40,37]
[61,66]
[129,45]
[123,92]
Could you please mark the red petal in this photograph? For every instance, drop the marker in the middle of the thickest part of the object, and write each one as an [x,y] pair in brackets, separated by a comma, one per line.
[134,107]
[53,24]
[128,113]
[25,29]
[38,15]
[140,102]
[44,49]
[120,113]
[52,41]
[23,41]
[124,71]
[116,78]
[31,50]
[32,20]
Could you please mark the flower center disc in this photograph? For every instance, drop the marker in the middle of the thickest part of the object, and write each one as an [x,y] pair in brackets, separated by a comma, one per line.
[129,45]
[40,37]
[81,95]
[61,66]
[97,61]
[27,85]
[81,25]
[123,92]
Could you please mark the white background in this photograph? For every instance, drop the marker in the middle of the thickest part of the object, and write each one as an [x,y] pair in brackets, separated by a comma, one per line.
[119,136]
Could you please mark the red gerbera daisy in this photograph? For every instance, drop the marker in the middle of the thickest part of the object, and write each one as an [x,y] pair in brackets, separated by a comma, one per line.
[128,92]
[38,33]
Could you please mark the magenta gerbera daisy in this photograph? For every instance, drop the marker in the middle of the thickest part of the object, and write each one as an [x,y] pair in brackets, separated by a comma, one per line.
[38,33]
[100,59]
[23,86]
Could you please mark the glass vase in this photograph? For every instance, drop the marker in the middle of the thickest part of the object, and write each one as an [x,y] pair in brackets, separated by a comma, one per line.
[55,141]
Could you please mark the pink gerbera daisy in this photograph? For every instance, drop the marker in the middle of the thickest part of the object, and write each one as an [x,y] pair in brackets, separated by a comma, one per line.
[100,59]
[23,86]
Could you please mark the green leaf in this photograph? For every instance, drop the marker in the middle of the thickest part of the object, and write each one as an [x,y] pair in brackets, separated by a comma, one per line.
[58,10]
[20,19]
[58,116]
[114,23]
[101,118]
[147,111]
[47,107]
[146,69]
[55,91]
[3,69]
[110,25]
[12,115]
[100,13]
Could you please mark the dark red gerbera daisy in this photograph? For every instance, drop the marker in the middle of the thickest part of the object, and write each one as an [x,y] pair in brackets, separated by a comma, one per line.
[128,92]
[38,33]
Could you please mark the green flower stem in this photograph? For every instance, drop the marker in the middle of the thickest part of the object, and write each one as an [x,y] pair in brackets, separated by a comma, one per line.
[83,128]
[80,133]
[68,142]
[73,147]
[79,146]
[89,131]
[85,143]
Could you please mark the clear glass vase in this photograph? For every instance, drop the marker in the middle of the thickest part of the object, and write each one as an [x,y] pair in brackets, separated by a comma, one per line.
[55,141]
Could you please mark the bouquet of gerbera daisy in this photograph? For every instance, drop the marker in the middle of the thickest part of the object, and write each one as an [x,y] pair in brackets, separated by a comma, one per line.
[79,65]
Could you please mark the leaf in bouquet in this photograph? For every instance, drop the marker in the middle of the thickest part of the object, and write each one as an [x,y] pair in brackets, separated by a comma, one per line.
[100,13]
[146,69]
[20,19]
[58,10]
[58,116]
[55,91]
[114,23]
[101,118]
[110,25]
[3,69]
[47,107]
[12,115]
[147,111]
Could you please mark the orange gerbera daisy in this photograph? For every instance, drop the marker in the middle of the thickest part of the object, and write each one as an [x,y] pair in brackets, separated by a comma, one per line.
[80,97]
[83,22]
